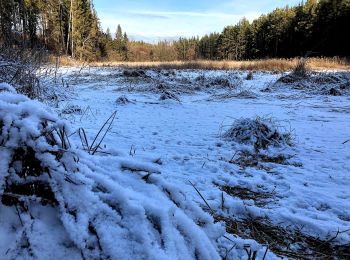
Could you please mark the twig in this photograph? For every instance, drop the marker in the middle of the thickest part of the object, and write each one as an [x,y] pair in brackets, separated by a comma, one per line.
[83,139]
[212,211]
[267,249]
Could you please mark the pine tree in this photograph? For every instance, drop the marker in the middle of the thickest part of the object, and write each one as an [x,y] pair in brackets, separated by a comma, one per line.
[119,33]
[120,44]
[6,21]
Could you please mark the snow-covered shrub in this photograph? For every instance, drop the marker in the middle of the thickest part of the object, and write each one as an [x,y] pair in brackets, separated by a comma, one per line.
[122,100]
[28,73]
[135,73]
[59,202]
[259,132]
[169,95]
[19,68]
[221,81]
[72,109]
[243,94]
[335,84]
[246,94]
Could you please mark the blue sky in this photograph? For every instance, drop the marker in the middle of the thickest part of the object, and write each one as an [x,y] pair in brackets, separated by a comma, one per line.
[151,20]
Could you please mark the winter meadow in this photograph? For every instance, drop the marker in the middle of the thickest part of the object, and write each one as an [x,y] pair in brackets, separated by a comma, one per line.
[174,129]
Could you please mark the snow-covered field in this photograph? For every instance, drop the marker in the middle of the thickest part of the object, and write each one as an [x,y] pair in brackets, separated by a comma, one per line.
[172,125]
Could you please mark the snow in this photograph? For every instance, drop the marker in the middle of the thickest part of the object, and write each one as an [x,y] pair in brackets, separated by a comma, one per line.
[157,148]
[101,213]
[187,135]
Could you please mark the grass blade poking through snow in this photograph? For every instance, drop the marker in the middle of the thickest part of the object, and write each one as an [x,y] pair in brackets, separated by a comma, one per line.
[109,122]
[106,127]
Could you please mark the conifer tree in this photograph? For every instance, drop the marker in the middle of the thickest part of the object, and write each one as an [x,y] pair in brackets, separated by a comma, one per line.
[6,21]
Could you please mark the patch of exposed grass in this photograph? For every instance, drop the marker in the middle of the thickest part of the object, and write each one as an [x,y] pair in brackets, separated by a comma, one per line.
[286,242]
[246,159]
[261,198]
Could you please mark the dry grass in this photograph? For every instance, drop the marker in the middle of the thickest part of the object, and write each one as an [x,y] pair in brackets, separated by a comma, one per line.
[261,198]
[260,132]
[283,241]
[286,242]
[277,65]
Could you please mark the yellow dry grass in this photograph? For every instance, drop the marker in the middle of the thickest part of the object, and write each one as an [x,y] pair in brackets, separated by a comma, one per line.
[260,65]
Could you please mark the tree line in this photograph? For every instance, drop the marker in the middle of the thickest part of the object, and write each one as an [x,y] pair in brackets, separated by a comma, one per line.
[312,28]
[64,27]
[71,27]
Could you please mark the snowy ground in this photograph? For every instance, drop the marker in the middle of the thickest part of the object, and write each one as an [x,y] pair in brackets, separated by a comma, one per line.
[311,194]
[182,139]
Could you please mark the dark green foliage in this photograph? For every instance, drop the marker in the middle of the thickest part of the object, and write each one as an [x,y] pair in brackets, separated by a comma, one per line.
[63,26]
[120,44]
[187,49]
[312,28]
[208,46]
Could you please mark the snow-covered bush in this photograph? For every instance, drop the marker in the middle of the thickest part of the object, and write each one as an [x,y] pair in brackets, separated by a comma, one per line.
[19,68]
[259,132]
[122,100]
[169,95]
[72,109]
[318,83]
[221,81]
[59,202]
[135,73]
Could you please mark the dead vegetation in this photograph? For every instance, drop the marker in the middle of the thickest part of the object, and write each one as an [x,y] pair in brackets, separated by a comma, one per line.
[29,178]
[246,158]
[29,72]
[135,73]
[72,109]
[170,85]
[301,69]
[220,81]
[249,76]
[286,242]
[123,100]
[278,65]
[260,198]
[44,176]
[240,94]
[95,146]
[282,240]
[302,78]
[300,72]
[246,94]
[259,132]
[317,83]
[167,95]
[18,68]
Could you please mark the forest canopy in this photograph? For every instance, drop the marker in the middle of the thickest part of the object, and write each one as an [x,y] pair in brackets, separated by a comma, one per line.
[72,27]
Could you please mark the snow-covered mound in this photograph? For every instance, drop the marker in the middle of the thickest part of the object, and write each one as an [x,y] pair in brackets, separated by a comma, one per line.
[259,132]
[59,202]
[333,84]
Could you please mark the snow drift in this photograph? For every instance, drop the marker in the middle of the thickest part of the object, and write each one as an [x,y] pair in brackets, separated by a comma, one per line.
[57,201]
